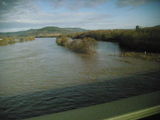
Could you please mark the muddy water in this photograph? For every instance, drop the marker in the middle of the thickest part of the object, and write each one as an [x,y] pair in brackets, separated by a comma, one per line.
[42,65]
[39,77]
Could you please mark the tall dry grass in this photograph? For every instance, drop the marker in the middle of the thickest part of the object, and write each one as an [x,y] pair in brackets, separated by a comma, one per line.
[85,45]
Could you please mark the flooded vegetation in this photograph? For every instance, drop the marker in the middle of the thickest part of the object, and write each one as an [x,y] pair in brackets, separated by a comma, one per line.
[142,55]
[12,40]
[140,43]
[140,39]
[85,45]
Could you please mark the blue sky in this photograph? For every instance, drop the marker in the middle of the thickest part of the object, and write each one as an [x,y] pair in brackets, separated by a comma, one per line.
[16,15]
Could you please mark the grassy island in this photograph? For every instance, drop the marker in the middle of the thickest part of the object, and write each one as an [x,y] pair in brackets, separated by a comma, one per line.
[85,45]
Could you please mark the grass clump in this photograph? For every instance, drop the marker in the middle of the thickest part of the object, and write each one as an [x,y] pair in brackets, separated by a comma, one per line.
[12,40]
[62,41]
[6,41]
[85,45]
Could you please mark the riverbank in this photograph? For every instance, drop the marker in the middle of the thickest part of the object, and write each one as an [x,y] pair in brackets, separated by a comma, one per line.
[140,39]
[11,40]
[142,55]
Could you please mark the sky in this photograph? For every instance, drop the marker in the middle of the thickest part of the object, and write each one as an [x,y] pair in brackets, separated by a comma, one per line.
[17,15]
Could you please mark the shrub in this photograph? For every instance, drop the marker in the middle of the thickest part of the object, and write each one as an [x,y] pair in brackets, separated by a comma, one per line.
[12,40]
[6,41]
[62,40]
[140,41]
[85,45]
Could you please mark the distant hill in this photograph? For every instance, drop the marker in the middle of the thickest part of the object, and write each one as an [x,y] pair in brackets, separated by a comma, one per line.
[46,31]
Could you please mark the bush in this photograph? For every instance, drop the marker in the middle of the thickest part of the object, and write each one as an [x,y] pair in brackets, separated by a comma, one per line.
[85,45]
[140,41]
[6,41]
[62,40]
[12,40]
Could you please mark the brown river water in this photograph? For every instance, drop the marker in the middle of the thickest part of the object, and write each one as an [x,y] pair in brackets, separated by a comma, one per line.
[42,65]
[39,75]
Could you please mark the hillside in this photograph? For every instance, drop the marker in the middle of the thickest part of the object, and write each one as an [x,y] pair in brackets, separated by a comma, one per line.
[46,31]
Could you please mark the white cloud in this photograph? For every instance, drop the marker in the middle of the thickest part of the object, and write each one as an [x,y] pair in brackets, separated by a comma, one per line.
[64,19]
[64,13]
[28,13]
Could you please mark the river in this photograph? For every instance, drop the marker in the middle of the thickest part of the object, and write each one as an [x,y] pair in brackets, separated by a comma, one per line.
[42,74]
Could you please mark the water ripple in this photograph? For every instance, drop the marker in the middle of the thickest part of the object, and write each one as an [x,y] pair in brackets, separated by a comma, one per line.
[57,100]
